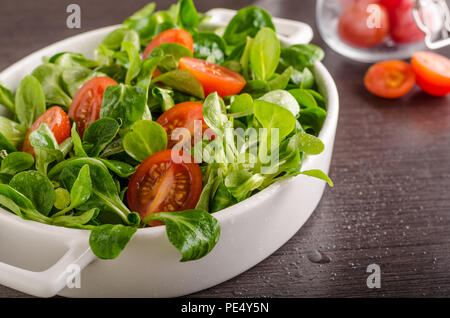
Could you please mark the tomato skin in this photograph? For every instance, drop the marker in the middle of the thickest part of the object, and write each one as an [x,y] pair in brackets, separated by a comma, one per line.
[58,122]
[390,79]
[86,104]
[162,185]
[353,28]
[403,27]
[432,72]
[182,115]
[213,77]
[178,36]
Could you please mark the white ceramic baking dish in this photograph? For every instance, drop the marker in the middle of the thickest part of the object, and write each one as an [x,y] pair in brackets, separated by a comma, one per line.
[35,258]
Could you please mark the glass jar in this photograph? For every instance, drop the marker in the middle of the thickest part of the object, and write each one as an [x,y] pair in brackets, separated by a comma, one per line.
[409,26]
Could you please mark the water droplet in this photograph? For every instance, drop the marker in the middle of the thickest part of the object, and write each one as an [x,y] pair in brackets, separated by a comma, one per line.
[319,257]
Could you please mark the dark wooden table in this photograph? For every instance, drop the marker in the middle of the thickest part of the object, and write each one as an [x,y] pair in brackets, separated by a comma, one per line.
[391,167]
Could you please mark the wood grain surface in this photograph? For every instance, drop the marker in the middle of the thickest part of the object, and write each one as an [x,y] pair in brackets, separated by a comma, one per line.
[391,168]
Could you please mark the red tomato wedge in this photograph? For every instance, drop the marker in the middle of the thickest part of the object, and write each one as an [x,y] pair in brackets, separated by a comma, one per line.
[214,78]
[178,36]
[182,115]
[354,26]
[86,104]
[58,122]
[390,79]
[162,185]
[432,72]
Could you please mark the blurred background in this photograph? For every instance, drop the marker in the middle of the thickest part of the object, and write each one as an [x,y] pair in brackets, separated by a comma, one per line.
[391,168]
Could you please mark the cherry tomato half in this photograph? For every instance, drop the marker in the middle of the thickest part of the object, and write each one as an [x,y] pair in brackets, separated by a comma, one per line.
[432,72]
[214,78]
[354,26]
[178,36]
[182,115]
[162,185]
[58,122]
[86,104]
[390,79]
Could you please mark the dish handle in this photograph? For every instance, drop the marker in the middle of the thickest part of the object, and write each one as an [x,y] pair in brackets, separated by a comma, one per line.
[49,282]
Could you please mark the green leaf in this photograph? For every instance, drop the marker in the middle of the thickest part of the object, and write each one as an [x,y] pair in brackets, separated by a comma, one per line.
[307,79]
[222,198]
[62,199]
[303,97]
[282,98]
[145,138]
[25,205]
[77,143]
[187,14]
[208,45]
[265,53]
[164,96]
[312,119]
[282,80]
[318,174]
[74,78]
[107,241]
[82,188]
[309,144]
[99,134]
[12,131]
[104,194]
[124,103]
[140,19]
[182,81]
[45,147]
[300,56]
[134,61]
[193,232]
[7,99]
[241,106]
[75,220]
[36,187]
[50,77]
[5,145]
[122,169]
[241,183]
[10,205]
[30,100]
[68,60]
[213,114]
[16,162]
[273,116]
[175,50]
[247,22]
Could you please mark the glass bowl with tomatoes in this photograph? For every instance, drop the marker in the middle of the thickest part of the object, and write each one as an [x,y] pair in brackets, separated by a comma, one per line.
[376,30]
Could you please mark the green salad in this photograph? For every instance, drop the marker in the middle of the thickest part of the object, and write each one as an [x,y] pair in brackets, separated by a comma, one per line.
[168,123]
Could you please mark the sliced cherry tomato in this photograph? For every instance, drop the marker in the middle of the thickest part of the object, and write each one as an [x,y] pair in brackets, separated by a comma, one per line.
[178,36]
[403,28]
[162,185]
[432,72]
[58,122]
[182,115]
[214,78]
[390,79]
[86,104]
[355,29]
